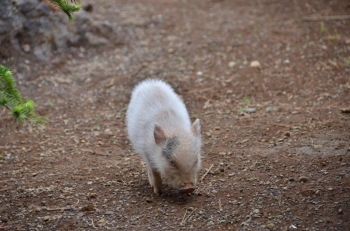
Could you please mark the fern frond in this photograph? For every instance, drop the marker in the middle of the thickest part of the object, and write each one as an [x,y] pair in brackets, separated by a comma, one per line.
[66,7]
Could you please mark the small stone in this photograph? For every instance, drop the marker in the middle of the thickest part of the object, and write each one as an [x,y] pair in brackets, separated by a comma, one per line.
[255,64]
[271,109]
[26,48]
[231,64]
[46,218]
[149,200]
[340,211]
[109,213]
[303,179]
[256,211]
[250,110]
[199,73]
[270,226]
[171,50]
[286,61]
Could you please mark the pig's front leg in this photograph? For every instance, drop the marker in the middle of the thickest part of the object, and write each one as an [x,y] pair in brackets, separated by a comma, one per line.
[155,180]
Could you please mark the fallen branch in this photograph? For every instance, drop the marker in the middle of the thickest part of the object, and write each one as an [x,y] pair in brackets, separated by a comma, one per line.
[94,152]
[326,18]
[212,165]
[220,208]
[186,218]
[4,189]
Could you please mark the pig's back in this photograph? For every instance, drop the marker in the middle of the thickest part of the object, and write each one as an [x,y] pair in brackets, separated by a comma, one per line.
[154,101]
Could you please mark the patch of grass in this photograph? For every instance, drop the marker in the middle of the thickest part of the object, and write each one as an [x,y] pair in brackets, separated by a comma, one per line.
[180,59]
[50,104]
[323,28]
[97,128]
[246,100]
[277,217]
[241,110]
[347,61]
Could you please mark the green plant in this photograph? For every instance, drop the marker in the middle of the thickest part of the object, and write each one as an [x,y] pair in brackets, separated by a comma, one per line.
[347,61]
[323,28]
[67,8]
[11,98]
[246,102]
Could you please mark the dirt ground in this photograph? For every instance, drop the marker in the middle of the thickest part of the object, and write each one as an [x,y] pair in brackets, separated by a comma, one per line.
[270,81]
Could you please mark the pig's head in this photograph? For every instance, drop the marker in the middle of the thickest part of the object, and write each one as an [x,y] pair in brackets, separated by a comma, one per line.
[181,157]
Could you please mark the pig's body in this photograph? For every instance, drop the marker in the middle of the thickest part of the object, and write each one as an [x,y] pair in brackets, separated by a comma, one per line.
[160,131]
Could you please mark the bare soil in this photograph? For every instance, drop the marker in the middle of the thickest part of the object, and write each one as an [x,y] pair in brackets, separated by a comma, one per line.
[276,152]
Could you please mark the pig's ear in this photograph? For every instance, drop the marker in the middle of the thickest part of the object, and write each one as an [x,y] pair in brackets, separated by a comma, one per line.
[159,135]
[196,128]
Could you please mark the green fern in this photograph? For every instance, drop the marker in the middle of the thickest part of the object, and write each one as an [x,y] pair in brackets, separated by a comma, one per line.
[12,99]
[67,8]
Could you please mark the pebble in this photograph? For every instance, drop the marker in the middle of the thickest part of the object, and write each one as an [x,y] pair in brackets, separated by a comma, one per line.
[303,179]
[26,48]
[271,109]
[109,213]
[149,200]
[231,64]
[270,226]
[250,110]
[255,64]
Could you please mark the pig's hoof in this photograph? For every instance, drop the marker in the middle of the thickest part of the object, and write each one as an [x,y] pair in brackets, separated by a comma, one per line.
[187,189]
[157,192]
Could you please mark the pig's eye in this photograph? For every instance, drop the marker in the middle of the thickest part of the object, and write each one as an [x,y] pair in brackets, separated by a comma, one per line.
[173,163]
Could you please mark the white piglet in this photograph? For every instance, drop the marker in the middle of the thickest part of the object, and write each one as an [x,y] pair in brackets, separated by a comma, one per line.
[160,131]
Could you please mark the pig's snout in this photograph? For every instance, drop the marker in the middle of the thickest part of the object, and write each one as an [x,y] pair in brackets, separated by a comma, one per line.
[188,188]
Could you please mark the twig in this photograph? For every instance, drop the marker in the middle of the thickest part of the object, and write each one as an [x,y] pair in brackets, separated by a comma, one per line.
[183,219]
[212,165]
[94,152]
[331,17]
[4,189]
[220,208]
[186,218]
[259,154]
[281,125]
[59,208]
[92,223]
[201,90]
[289,157]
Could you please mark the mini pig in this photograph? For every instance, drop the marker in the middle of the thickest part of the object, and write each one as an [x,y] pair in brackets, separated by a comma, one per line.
[160,131]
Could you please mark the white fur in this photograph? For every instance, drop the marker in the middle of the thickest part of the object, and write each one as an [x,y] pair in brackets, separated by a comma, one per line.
[154,102]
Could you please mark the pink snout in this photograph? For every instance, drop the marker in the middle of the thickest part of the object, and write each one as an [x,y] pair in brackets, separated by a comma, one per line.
[188,188]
